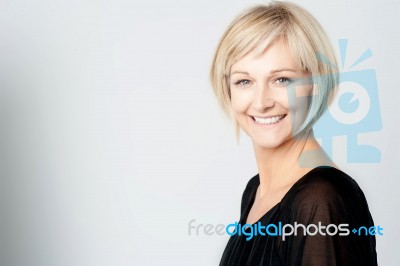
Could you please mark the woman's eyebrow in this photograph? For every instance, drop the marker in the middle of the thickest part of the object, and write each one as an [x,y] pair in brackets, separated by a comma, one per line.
[240,72]
[282,69]
[271,72]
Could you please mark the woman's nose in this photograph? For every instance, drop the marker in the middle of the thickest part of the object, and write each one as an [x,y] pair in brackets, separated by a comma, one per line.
[263,98]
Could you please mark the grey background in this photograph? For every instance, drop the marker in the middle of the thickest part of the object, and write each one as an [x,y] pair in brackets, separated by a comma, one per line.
[112,140]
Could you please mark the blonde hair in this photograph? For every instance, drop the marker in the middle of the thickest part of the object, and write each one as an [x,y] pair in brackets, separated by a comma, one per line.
[260,26]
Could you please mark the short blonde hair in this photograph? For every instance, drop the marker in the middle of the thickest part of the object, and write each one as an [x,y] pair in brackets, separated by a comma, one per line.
[260,26]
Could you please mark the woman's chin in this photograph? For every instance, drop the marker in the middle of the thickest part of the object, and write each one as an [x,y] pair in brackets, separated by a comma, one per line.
[267,144]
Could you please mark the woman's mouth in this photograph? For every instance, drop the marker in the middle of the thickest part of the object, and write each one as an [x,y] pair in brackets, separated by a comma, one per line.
[270,120]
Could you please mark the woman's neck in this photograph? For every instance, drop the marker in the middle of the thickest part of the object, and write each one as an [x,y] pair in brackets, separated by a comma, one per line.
[282,166]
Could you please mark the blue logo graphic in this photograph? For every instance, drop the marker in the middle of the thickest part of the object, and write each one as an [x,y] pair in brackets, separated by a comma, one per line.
[355,110]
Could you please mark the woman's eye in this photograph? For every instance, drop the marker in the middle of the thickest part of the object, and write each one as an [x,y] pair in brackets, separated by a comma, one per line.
[243,82]
[282,81]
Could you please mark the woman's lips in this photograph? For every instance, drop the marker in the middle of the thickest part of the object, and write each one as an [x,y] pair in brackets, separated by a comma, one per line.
[268,120]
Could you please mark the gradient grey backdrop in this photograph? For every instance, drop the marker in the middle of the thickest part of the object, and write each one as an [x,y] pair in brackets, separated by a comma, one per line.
[111,139]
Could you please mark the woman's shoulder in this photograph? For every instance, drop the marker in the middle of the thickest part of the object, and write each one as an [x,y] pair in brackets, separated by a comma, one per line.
[327,178]
[327,183]
[328,197]
[326,191]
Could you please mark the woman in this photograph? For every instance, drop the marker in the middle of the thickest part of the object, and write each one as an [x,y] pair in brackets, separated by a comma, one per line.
[274,73]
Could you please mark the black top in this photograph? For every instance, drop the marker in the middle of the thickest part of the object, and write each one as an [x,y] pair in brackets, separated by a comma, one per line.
[326,195]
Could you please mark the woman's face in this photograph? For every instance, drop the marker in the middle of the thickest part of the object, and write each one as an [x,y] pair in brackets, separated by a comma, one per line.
[268,95]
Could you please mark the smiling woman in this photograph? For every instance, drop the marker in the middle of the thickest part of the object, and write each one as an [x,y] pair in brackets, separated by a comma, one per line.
[269,77]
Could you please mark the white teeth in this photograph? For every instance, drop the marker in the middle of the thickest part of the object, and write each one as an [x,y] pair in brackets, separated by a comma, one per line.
[269,120]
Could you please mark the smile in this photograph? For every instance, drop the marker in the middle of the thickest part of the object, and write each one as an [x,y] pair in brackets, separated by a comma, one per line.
[268,120]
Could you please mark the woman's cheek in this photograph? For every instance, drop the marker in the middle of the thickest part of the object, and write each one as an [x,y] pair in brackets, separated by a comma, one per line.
[298,109]
[240,101]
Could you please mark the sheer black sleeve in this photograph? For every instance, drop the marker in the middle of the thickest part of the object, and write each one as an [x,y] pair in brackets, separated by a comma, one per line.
[336,201]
